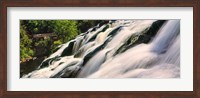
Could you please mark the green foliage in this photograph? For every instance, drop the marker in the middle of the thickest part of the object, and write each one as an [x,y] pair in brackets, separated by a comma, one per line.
[55,45]
[38,26]
[42,43]
[25,45]
[58,42]
[65,29]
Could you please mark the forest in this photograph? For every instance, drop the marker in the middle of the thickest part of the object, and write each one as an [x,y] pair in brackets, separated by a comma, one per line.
[46,35]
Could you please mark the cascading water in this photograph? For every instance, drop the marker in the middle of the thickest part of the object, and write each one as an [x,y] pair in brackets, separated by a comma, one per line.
[118,49]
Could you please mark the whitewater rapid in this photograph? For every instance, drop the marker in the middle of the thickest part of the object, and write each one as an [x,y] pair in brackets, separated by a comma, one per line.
[118,49]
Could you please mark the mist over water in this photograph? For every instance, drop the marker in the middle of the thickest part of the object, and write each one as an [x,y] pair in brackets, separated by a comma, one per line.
[118,49]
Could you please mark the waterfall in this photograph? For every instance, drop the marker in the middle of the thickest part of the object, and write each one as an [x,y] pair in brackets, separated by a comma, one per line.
[118,49]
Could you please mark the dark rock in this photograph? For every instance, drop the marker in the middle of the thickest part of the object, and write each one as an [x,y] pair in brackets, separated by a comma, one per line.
[68,50]
[155,27]
[69,72]
[114,32]
[143,37]
[103,22]
[46,62]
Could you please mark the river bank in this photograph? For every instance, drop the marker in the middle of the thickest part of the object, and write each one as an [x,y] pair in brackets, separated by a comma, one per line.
[30,65]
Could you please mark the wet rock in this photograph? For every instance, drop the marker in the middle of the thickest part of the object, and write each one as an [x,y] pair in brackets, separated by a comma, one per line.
[49,61]
[68,50]
[144,37]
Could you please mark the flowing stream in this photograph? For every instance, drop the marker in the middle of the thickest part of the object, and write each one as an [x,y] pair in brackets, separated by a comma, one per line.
[118,49]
